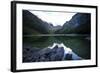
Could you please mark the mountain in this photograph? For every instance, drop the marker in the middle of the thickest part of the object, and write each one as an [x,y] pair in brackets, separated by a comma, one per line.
[55,28]
[79,24]
[34,25]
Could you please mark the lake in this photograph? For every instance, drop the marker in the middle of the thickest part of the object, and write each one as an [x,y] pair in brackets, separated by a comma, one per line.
[78,44]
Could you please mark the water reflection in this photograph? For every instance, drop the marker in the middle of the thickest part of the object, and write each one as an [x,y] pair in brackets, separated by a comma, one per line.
[59,48]
[67,51]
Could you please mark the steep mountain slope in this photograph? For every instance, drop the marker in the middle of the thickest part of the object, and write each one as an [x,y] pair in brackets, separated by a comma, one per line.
[79,24]
[33,25]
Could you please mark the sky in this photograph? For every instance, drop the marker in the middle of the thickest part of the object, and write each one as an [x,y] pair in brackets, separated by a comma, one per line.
[56,18]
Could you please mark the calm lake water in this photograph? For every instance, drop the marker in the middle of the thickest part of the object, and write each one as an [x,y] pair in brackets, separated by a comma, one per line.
[79,44]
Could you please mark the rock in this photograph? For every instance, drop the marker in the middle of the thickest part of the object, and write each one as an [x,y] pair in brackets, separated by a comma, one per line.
[55,54]
[68,57]
[58,53]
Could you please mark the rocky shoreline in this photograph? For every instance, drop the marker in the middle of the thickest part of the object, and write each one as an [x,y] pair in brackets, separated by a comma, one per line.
[54,53]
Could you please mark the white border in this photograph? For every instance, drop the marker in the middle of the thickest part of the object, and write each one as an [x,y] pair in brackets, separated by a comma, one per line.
[21,66]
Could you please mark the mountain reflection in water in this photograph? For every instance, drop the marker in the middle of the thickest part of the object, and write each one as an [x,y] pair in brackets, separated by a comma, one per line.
[60,48]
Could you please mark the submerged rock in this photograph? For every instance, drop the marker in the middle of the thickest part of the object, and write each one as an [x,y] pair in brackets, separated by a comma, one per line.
[57,53]
[68,57]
